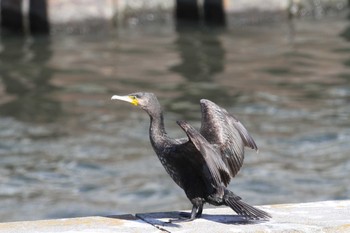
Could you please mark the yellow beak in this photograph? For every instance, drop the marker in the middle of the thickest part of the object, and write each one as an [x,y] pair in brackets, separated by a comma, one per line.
[127,98]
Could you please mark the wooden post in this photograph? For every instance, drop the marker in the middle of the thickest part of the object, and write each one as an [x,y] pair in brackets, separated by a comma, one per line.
[214,13]
[11,15]
[186,11]
[38,18]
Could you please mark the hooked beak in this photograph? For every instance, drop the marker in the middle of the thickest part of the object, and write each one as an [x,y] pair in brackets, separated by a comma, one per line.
[127,98]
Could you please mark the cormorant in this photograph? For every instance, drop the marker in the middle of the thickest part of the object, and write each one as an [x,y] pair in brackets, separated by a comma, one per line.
[204,163]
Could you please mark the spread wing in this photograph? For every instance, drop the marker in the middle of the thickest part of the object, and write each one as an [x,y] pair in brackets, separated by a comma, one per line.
[227,134]
[213,167]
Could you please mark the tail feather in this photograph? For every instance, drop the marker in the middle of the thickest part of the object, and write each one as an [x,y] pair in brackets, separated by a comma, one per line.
[243,208]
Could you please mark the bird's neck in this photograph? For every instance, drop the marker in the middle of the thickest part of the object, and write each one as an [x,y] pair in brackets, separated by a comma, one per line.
[157,131]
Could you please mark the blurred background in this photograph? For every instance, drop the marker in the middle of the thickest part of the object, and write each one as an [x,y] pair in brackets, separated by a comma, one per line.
[282,67]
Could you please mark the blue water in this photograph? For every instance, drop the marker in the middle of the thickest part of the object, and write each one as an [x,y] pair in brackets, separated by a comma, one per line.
[67,150]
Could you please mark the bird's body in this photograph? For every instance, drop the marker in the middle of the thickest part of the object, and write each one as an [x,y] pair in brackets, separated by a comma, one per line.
[204,163]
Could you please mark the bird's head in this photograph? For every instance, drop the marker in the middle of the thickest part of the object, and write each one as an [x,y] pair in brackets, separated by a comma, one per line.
[145,100]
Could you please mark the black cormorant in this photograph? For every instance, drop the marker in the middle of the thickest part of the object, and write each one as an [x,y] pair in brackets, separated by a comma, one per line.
[204,163]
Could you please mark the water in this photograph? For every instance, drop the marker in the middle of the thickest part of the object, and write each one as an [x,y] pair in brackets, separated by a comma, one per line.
[67,150]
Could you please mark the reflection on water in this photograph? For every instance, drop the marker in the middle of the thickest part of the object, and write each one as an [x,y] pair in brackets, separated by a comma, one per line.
[202,57]
[26,78]
[64,144]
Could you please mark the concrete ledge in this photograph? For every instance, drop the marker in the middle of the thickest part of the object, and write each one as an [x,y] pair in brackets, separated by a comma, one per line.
[123,223]
[91,16]
[328,216]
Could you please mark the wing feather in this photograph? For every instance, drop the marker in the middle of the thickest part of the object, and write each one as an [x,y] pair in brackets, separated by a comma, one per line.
[227,133]
[212,163]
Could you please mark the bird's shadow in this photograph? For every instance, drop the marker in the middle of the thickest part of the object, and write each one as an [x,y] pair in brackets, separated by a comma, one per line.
[164,219]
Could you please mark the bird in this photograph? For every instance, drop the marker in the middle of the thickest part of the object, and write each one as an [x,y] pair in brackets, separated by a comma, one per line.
[204,162]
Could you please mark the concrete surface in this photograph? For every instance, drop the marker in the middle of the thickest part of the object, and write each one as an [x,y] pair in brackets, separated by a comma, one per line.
[327,216]
[124,223]
[66,11]
[90,16]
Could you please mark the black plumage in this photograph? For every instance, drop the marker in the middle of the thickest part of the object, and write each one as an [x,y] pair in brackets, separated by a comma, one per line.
[204,163]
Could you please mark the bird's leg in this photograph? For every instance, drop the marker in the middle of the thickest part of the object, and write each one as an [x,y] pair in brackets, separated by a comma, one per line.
[185,217]
[199,211]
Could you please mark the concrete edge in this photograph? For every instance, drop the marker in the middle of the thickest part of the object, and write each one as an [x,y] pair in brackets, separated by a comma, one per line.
[326,216]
